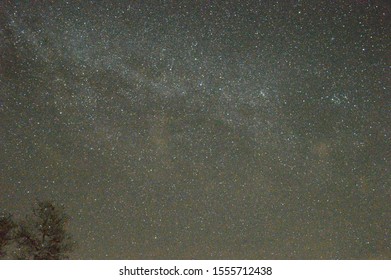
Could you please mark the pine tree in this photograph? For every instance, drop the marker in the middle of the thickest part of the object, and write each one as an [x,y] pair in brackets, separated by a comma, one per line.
[43,236]
[7,226]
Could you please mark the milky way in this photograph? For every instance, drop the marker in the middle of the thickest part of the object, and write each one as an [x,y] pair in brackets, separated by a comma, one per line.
[201,129]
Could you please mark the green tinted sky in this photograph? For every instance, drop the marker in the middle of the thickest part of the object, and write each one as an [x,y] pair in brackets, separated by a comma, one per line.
[201,129]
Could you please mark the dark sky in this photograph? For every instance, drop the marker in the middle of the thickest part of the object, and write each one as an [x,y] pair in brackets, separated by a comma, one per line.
[201,129]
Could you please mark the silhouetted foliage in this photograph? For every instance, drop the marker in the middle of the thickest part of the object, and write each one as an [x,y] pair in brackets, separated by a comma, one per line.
[43,236]
[7,226]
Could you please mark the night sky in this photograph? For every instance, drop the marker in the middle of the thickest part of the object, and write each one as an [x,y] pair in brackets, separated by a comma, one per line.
[201,129]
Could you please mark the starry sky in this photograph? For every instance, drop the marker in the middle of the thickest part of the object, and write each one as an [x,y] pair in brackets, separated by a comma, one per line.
[201,129]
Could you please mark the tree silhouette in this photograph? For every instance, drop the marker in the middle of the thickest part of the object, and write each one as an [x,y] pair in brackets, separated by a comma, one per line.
[7,226]
[43,236]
